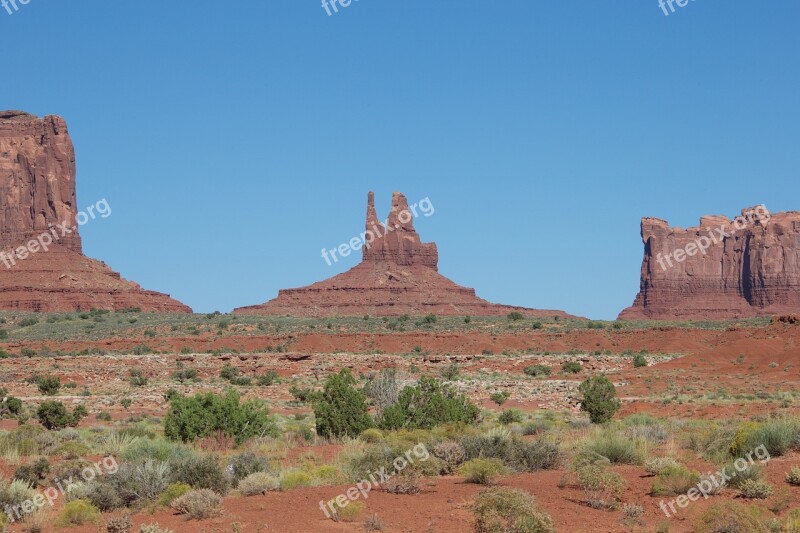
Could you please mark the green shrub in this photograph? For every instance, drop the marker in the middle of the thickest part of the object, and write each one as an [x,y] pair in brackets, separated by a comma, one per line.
[139,482]
[268,379]
[429,404]
[510,416]
[519,455]
[34,473]
[173,491]
[205,414]
[48,385]
[199,504]
[341,409]
[674,480]
[78,512]
[515,315]
[229,372]
[500,397]
[756,489]
[538,370]
[639,361]
[571,367]
[451,372]
[793,476]
[295,479]
[482,471]
[602,488]
[506,510]
[259,483]
[52,414]
[201,472]
[729,517]
[13,495]
[242,465]
[599,399]
[777,436]
[26,322]
[615,447]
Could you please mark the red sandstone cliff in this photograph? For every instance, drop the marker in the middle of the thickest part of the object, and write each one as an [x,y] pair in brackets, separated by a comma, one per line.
[746,267]
[37,184]
[398,275]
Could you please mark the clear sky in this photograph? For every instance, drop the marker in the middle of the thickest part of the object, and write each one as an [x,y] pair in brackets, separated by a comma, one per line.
[235,140]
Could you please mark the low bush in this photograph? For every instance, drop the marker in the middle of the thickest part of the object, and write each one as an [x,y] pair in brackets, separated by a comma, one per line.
[173,491]
[571,367]
[259,483]
[242,465]
[674,480]
[78,512]
[793,476]
[510,416]
[430,403]
[199,504]
[756,489]
[482,471]
[501,510]
[729,517]
[206,414]
[52,414]
[119,524]
[201,472]
[602,488]
[615,447]
[294,479]
[451,454]
[538,370]
[341,409]
[655,465]
[34,473]
[639,361]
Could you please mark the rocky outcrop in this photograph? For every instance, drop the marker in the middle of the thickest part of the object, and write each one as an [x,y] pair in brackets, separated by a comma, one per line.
[38,203]
[721,269]
[397,276]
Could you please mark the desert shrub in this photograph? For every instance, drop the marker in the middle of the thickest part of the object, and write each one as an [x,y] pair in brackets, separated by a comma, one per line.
[371,435]
[791,522]
[615,447]
[602,488]
[777,436]
[632,514]
[139,482]
[172,492]
[729,517]
[201,472]
[510,416]
[655,465]
[242,465]
[48,385]
[428,404]
[674,480]
[639,361]
[373,522]
[506,510]
[451,454]
[500,397]
[451,372]
[738,477]
[341,409]
[52,414]
[185,374]
[229,372]
[383,389]
[599,399]
[25,322]
[153,528]
[268,379]
[72,450]
[34,473]
[349,512]
[78,512]
[515,315]
[259,483]
[205,414]
[793,476]
[482,471]
[119,524]
[294,479]
[137,378]
[406,482]
[756,489]
[199,504]
[13,495]
[571,367]
[538,370]
[519,455]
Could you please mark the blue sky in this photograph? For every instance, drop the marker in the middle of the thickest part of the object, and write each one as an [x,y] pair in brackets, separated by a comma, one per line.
[235,140]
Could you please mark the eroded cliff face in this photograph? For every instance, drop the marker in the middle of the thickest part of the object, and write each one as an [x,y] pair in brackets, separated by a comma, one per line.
[398,276]
[37,178]
[745,267]
[37,198]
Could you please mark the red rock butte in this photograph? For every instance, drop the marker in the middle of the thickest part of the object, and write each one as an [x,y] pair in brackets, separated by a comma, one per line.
[37,176]
[398,275]
[752,271]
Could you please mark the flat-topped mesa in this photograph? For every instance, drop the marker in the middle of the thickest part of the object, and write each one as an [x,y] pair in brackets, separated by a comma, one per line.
[396,241]
[37,179]
[721,269]
[397,276]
